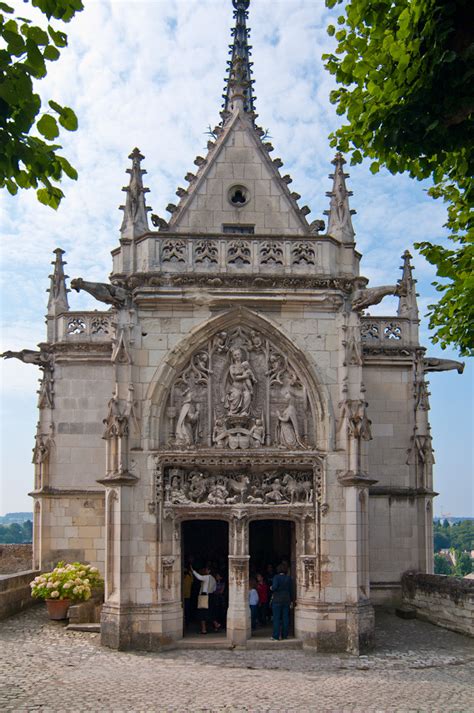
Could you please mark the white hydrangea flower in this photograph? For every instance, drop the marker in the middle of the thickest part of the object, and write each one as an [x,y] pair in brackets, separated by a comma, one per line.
[55,594]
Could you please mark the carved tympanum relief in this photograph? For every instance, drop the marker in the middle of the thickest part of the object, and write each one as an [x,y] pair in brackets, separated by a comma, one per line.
[238,391]
[196,487]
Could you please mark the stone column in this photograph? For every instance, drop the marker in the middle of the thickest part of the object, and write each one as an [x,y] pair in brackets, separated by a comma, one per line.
[238,613]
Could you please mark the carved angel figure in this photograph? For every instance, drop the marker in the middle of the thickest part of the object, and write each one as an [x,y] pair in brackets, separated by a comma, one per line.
[238,397]
[287,431]
[186,428]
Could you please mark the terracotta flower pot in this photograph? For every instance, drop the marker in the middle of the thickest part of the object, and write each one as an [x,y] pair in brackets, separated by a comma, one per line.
[57,608]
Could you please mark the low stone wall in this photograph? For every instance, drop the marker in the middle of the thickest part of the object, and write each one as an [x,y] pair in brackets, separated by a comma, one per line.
[445,601]
[15,593]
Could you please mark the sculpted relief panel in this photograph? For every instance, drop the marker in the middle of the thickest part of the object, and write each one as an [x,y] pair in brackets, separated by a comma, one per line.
[196,487]
[238,392]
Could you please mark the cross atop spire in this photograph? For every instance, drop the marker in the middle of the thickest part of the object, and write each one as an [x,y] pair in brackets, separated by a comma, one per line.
[340,222]
[238,89]
[135,221]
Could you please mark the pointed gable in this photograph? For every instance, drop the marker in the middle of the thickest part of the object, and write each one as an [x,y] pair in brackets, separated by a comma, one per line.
[239,161]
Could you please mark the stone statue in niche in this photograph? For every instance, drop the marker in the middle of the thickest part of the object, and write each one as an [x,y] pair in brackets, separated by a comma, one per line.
[287,431]
[219,435]
[239,391]
[188,421]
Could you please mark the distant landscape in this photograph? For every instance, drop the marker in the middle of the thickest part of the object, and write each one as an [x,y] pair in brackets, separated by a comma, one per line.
[453,541]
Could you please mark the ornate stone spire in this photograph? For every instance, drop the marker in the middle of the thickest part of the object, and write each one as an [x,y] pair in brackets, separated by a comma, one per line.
[58,302]
[407,305]
[238,89]
[339,222]
[135,221]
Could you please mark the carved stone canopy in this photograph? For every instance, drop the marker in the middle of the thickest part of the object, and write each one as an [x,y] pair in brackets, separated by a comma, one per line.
[239,391]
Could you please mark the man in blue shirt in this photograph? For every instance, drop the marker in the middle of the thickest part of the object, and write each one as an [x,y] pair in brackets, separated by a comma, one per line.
[282,597]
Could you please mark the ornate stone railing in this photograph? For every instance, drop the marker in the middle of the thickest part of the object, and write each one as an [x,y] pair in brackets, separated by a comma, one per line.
[385,332]
[235,254]
[85,326]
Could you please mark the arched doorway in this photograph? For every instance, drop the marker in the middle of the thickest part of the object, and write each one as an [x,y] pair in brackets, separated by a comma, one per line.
[205,543]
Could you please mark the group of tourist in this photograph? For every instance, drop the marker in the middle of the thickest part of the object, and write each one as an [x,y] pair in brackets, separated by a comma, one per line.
[270,597]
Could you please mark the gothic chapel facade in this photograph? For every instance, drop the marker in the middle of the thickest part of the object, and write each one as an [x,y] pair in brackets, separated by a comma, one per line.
[233,393]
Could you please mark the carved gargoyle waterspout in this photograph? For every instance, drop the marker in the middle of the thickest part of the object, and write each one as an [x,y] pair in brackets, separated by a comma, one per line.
[373,295]
[28,356]
[103,291]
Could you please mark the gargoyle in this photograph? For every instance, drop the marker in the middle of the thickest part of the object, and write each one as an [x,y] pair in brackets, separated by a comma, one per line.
[433,364]
[158,222]
[28,356]
[373,295]
[103,291]
[317,226]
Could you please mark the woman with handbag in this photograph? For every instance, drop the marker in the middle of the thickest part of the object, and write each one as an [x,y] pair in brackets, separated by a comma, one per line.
[205,605]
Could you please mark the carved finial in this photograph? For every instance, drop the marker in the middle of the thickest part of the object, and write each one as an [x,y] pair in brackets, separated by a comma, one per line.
[407,305]
[135,221]
[340,223]
[238,91]
[58,302]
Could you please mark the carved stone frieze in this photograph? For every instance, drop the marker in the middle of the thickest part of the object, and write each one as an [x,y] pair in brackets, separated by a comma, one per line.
[173,251]
[206,251]
[303,253]
[343,284]
[239,391]
[203,487]
[271,253]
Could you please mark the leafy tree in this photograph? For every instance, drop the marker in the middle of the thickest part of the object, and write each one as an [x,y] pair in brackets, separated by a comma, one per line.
[463,564]
[29,159]
[440,542]
[442,565]
[405,85]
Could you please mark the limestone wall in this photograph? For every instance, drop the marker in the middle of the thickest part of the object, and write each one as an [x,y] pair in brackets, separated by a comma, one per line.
[15,593]
[444,601]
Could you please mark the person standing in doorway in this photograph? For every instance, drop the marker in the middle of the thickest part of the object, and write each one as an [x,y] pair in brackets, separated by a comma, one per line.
[282,597]
[253,603]
[206,599]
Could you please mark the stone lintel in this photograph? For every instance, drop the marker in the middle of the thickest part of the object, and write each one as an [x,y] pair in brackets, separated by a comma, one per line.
[231,459]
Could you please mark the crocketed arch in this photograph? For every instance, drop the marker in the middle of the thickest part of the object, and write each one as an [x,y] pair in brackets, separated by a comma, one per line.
[306,370]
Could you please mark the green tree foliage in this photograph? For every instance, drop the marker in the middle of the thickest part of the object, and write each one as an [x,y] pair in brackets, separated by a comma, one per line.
[16,534]
[29,157]
[404,70]
[442,565]
[463,564]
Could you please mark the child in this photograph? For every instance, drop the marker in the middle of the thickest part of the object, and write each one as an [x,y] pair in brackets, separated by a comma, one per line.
[253,603]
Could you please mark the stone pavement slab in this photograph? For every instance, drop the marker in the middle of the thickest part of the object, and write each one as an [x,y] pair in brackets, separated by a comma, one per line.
[416,667]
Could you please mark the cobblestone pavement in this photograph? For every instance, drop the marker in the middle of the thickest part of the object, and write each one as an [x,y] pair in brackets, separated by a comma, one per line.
[415,667]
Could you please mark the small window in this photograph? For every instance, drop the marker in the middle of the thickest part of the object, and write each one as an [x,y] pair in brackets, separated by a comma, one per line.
[239,229]
[238,196]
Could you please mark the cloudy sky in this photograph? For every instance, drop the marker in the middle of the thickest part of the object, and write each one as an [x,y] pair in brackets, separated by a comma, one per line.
[150,74]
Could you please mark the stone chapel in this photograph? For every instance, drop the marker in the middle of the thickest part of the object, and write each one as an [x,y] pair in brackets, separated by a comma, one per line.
[232,399]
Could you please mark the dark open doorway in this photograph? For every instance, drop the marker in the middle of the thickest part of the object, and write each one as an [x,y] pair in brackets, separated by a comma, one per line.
[270,543]
[205,543]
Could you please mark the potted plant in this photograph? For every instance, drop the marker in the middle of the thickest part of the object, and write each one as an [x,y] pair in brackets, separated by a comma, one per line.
[65,584]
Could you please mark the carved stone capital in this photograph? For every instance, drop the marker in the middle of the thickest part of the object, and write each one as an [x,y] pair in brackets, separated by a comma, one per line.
[350,478]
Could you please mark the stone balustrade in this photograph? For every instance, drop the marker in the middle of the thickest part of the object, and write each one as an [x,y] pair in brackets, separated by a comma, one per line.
[245,254]
[385,331]
[85,327]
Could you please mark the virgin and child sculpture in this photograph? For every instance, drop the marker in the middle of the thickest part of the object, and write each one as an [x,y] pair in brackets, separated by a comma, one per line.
[239,388]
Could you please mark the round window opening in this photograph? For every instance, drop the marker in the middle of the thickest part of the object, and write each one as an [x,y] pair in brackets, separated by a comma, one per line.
[238,196]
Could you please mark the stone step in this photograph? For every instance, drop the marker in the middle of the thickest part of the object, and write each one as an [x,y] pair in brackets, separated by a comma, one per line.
[259,644]
[89,628]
